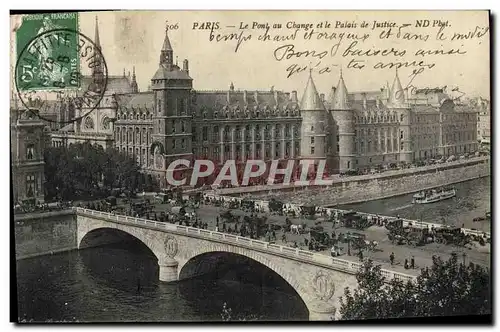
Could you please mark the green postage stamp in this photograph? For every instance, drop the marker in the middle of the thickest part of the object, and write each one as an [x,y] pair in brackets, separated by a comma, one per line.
[47,52]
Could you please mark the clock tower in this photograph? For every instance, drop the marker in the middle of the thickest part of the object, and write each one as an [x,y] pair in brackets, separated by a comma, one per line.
[172,120]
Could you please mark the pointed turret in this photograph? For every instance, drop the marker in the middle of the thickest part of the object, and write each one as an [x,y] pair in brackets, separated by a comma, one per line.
[310,99]
[167,53]
[340,99]
[133,84]
[397,93]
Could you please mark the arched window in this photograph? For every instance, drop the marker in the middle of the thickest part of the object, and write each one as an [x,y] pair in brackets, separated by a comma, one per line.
[89,123]
[105,123]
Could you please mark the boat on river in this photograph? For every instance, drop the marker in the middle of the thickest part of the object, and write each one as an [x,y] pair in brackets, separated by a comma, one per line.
[434,195]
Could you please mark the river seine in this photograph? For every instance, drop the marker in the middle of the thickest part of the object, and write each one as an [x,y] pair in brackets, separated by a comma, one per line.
[120,283]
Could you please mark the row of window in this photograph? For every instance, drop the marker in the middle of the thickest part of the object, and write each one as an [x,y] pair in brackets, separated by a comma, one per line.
[375,132]
[180,105]
[261,150]
[137,136]
[249,114]
[258,131]
[383,146]
[378,118]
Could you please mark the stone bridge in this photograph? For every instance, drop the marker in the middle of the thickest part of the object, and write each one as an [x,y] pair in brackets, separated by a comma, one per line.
[185,252]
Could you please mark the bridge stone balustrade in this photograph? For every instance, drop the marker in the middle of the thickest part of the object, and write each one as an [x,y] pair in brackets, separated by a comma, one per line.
[318,279]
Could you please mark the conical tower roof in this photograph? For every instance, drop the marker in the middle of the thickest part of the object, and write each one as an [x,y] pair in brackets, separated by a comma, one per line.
[396,94]
[310,99]
[340,99]
[166,43]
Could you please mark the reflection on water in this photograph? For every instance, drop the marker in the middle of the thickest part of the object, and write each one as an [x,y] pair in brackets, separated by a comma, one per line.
[114,284]
[472,200]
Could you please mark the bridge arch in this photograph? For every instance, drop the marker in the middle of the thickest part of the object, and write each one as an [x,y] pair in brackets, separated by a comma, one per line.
[110,235]
[187,270]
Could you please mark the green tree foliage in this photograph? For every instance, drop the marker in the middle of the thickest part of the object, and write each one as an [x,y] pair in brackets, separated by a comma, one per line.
[448,288]
[84,171]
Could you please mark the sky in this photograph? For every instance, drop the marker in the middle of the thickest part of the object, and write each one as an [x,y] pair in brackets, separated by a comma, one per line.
[134,38]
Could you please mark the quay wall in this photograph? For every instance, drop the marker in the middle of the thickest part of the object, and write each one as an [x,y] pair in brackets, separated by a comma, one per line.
[38,234]
[357,189]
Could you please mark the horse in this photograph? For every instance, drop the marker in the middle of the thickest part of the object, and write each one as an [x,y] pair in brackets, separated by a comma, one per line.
[295,229]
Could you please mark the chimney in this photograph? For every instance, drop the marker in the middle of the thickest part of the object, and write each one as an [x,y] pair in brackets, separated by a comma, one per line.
[322,97]
[245,97]
[229,97]
[364,100]
[377,102]
[256,97]
[287,95]
[185,66]
[294,96]
[276,97]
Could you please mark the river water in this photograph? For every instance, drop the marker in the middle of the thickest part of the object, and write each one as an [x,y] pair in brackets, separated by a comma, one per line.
[472,200]
[118,283]
[115,284]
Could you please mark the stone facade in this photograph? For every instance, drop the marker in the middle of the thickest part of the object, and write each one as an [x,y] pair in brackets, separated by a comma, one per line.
[348,130]
[28,139]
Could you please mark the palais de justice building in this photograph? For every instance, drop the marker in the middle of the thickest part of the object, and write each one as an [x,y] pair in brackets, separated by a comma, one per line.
[348,130]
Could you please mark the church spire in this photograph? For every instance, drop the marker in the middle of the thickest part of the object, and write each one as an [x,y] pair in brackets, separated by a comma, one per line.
[97,69]
[340,99]
[133,84]
[167,53]
[96,33]
[310,99]
[397,93]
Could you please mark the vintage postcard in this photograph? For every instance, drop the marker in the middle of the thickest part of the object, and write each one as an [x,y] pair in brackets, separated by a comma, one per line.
[251,165]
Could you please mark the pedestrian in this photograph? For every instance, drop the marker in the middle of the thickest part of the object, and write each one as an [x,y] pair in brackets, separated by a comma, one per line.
[406,264]
[360,255]
[412,264]
[283,238]
[216,228]
[391,257]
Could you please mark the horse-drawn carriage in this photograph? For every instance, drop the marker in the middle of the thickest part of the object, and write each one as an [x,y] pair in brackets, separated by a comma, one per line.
[319,239]
[409,235]
[275,206]
[228,217]
[308,211]
[247,205]
[449,235]
[352,219]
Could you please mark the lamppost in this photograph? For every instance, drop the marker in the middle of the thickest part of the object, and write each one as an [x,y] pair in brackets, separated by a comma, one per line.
[349,243]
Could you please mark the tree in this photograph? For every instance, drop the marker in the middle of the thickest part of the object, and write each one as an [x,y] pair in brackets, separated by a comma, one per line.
[446,289]
[82,171]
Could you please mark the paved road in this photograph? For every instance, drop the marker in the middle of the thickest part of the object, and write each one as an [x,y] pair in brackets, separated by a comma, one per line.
[423,255]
